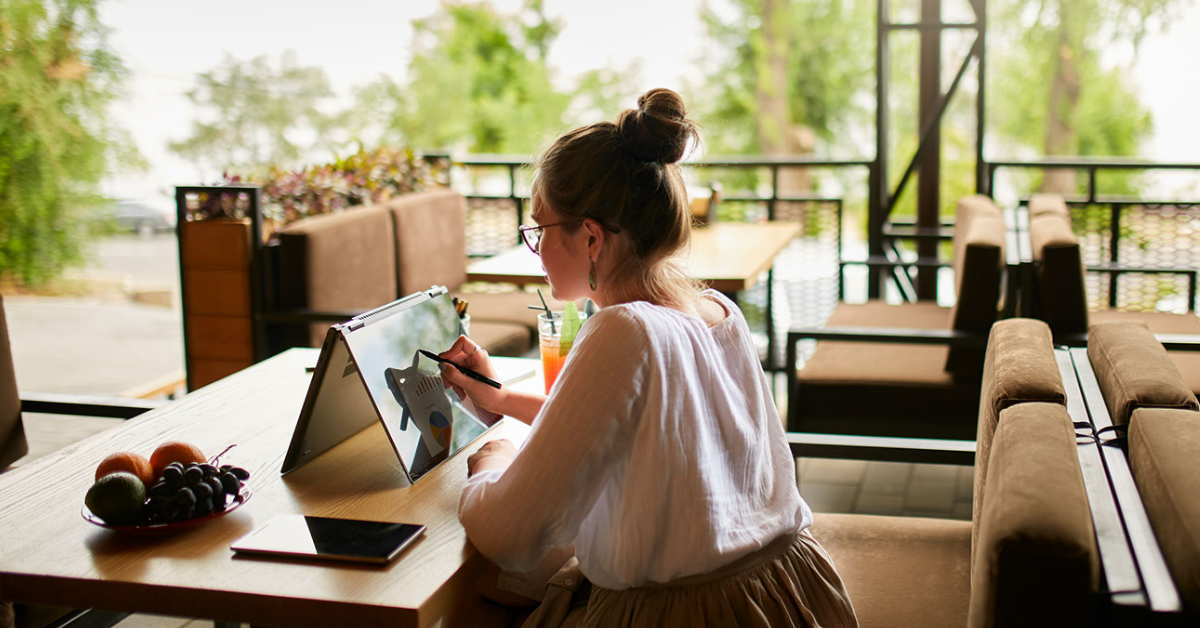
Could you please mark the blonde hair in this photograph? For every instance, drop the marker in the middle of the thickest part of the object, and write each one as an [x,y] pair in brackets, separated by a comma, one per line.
[624,175]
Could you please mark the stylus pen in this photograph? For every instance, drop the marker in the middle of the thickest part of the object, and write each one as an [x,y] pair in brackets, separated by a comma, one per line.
[462,369]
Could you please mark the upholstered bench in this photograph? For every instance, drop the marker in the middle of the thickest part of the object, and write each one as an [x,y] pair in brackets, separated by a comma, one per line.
[360,259]
[1144,391]
[1029,556]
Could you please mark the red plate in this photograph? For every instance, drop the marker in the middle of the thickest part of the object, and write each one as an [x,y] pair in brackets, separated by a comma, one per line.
[167,528]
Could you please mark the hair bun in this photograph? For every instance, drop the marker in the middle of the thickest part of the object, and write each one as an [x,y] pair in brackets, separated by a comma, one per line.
[658,130]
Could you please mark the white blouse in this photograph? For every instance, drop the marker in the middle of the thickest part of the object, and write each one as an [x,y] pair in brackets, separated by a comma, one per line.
[659,453]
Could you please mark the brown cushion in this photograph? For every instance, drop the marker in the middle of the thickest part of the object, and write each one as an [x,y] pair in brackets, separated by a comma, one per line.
[1164,450]
[979,237]
[900,571]
[884,388]
[502,339]
[13,444]
[1188,362]
[1047,204]
[431,239]
[1060,273]
[1020,367]
[338,262]
[1134,371]
[1036,562]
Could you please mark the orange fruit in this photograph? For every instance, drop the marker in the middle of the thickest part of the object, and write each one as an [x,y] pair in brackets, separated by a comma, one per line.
[174,451]
[128,462]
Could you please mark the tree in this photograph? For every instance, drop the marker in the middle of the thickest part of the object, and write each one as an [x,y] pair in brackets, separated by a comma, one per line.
[57,78]
[1055,96]
[259,115]
[790,72]
[479,82]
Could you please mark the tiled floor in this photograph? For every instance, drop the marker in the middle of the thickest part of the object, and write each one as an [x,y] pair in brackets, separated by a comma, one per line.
[853,486]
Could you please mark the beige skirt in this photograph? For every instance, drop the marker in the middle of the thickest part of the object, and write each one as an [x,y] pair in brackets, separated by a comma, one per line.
[790,582]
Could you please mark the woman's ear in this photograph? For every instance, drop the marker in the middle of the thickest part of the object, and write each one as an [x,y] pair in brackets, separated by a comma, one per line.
[596,235]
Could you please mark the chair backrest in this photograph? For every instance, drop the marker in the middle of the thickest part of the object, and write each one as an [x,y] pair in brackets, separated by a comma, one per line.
[12,430]
[1035,562]
[1019,367]
[1134,370]
[1060,271]
[431,239]
[979,237]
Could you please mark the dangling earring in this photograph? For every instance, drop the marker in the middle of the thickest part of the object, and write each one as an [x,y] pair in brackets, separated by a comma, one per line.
[592,276]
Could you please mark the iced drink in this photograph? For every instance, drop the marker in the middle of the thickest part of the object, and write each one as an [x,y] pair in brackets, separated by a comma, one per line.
[554,351]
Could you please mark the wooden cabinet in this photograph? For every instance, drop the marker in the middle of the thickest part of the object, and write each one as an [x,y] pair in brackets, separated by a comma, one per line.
[215,258]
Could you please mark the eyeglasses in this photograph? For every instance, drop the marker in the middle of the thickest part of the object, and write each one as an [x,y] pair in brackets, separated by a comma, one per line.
[532,235]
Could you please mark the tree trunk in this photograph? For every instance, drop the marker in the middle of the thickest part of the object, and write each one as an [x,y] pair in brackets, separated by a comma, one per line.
[1061,135]
[778,135]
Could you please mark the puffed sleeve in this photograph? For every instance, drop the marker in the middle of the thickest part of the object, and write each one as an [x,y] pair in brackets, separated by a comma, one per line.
[514,516]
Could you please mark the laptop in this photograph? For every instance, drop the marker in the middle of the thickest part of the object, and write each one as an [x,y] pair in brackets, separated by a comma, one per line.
[370,370]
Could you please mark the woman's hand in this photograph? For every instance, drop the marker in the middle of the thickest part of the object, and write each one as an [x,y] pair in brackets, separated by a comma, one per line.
[464,351]
[496,454]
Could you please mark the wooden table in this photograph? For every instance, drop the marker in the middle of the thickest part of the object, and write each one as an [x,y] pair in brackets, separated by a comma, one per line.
[729,257]
[49,554]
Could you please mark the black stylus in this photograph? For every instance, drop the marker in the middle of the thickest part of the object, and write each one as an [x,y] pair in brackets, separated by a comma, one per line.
[462,369]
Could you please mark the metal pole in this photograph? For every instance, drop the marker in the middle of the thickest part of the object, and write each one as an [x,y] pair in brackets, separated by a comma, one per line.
[929,176]
[878,196]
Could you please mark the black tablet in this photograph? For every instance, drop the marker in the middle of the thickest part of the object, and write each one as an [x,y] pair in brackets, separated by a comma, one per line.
[301,536]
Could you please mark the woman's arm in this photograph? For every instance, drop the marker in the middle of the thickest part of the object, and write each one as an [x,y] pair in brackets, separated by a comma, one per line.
[514,512]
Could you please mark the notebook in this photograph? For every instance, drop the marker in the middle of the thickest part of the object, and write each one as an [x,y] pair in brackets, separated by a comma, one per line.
[370,370]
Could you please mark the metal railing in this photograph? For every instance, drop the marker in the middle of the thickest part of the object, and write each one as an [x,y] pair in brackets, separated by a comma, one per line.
[1140,254]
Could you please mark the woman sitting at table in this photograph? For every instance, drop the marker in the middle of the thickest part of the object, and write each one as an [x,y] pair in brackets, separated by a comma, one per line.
[658,452]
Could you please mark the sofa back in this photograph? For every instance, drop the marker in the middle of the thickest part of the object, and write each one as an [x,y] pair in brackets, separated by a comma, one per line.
[431,239]
[1059,260]
[360,259]
[1019,367]
[1134,370]
[1035,562]
[1164,447]
[979,237]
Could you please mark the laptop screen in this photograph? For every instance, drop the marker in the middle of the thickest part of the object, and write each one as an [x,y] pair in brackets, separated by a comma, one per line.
[426,422]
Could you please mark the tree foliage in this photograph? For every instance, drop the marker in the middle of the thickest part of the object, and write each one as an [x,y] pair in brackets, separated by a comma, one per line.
[258,114]
[57,78]
[1053,94]
[478,81]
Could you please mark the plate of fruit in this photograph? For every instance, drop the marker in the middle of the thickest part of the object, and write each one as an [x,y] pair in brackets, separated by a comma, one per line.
[175,489]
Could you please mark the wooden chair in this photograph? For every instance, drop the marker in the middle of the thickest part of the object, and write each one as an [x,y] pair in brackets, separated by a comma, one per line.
[909,370]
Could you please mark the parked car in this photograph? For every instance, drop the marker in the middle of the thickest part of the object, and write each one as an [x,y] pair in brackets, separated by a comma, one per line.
[139,218]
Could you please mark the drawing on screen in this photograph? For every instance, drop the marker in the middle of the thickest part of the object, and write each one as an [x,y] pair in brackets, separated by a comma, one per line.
[422,397]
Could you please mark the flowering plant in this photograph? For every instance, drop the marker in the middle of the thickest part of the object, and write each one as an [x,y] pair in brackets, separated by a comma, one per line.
[364,178]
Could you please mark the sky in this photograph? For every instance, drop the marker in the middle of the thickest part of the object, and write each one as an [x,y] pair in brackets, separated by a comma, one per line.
[166,43]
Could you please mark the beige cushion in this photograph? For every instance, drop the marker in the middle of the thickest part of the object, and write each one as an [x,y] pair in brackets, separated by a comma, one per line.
[1188,362]
[338,262]
[1048,204]
[1134,371]
[1060,272]
[1036,562]
[1164,451]
[431,239]
[12,431]
[900,571]
[1019,367]
[884,388]
[979,237]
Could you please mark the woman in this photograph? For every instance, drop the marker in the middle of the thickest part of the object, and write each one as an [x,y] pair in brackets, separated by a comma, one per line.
[658,452]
